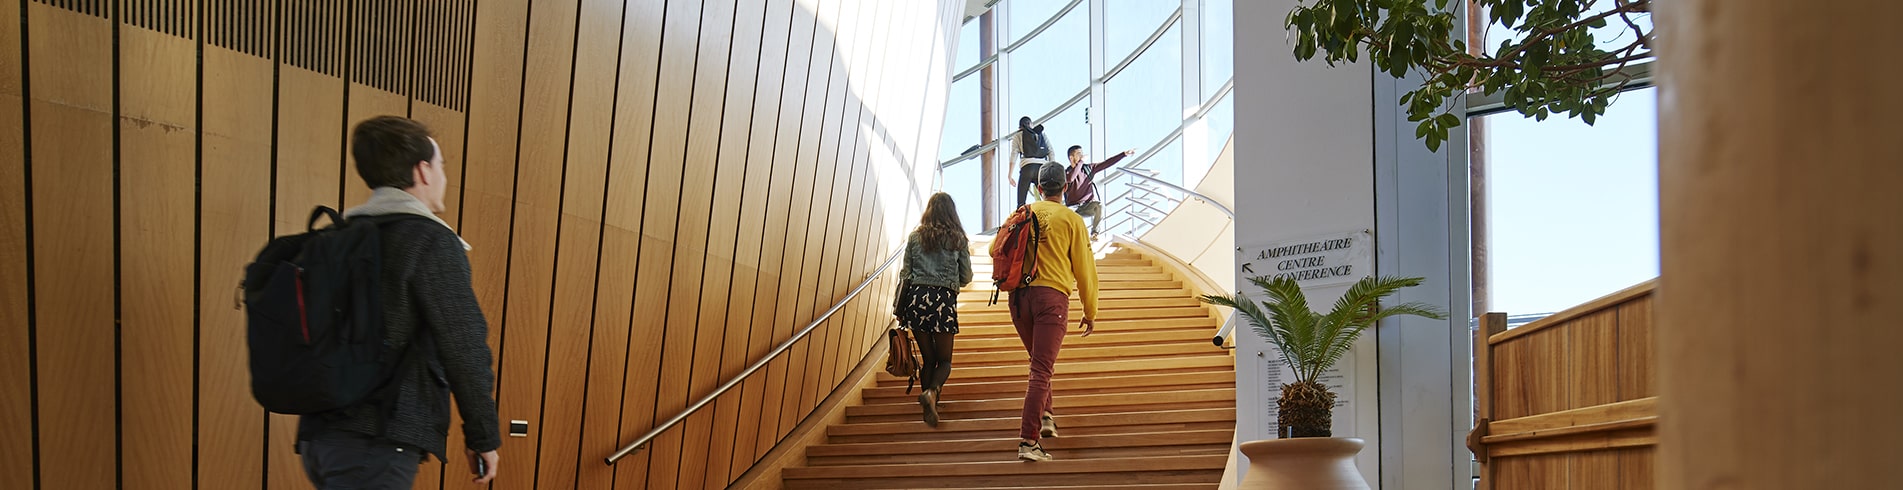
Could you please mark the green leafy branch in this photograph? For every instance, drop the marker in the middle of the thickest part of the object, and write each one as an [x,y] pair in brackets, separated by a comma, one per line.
[1554,64]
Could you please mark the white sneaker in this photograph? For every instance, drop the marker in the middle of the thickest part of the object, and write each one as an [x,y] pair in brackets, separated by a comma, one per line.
[1032,452]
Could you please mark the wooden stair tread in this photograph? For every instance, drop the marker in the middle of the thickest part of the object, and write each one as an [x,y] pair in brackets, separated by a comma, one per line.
[1064,422]
[955,389]
[1064,369]
[971,357]
[1092,466]
[1146,439]
[1067,401]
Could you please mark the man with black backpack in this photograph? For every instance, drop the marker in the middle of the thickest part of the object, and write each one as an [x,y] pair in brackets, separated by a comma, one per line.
[434,335]
[1040,309]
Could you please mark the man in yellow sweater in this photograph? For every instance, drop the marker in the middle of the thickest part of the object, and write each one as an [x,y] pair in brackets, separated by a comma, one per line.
[1041,310]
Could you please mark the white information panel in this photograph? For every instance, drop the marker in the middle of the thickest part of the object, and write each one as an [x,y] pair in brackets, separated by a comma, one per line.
[1317,264]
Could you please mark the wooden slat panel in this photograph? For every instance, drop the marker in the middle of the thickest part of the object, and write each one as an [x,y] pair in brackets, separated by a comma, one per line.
[235,220]
[583,184]
[71,77]
[1538,472]
[759,253]
[1637,468]
[823,241]
[16,375]
[780,234]
[1641,289]
[1533,373]
[844,263]
[813,132]
[157,129]
[1637,378]
[685,223]
[712,233]
[1593,350]
[728,243]
[605,426]
[538,193]
[488,182]
[1594,470]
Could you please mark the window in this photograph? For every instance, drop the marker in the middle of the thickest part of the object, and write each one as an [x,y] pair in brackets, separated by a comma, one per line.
[1051,68]
[1144,102]
[1129,22]
[1218,46]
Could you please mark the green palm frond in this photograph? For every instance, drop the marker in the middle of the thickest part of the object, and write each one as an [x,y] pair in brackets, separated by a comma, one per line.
[1312,343]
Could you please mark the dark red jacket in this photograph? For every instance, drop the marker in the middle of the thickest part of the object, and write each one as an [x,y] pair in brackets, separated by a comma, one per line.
[1083,185]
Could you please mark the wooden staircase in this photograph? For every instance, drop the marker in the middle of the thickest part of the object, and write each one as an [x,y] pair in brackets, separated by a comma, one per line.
[1145,402]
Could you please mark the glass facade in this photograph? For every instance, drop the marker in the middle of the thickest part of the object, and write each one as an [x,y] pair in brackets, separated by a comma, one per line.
[1157,83]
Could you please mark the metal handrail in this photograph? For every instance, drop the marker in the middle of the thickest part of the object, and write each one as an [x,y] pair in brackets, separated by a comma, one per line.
[782,348]
[1222,334]
[1212,202]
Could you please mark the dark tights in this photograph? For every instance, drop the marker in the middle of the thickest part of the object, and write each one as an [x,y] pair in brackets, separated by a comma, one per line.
[935,353]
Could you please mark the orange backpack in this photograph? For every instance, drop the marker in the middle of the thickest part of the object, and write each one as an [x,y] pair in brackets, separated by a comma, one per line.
[1014,252]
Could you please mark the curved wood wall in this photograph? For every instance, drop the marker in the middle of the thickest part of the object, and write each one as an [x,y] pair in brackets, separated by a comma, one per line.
[657,192]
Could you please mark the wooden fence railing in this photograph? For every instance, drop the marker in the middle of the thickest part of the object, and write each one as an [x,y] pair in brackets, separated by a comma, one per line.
[1568,401]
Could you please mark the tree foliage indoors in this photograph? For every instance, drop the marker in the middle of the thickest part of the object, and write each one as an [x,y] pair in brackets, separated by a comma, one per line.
[1560,56]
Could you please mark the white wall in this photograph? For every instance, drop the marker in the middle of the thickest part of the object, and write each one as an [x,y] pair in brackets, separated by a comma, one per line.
[1323,150]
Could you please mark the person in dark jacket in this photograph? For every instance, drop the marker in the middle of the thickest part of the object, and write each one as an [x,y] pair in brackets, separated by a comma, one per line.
[1081,189]
[1032,150]
[430,316]
[937,265]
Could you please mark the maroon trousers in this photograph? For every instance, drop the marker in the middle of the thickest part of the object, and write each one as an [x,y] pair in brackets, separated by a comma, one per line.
[1039,313]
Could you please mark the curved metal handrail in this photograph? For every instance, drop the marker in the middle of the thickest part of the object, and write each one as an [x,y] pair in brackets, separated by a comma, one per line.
[782,348]
[1212,202]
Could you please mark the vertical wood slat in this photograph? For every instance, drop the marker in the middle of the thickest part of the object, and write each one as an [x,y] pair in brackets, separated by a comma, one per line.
[777,256]
[1592,351]
[499,30]
[71,73]
[700,236]
[793,289]
[1637,376]
[1484,381]
[532,248]
[157,99]
[607,423]
[837,172]
[736,248]
[16,374]
[813,293]
[578,251]
[667,167]
[762,206]
[235,221]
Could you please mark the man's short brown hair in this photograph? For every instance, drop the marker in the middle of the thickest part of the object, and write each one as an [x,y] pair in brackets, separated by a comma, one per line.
[387,148]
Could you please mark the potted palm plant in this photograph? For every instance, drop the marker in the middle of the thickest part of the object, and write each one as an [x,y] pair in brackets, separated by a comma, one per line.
[1311,344]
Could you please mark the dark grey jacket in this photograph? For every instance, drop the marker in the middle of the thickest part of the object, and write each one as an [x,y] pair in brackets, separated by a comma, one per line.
[426,287]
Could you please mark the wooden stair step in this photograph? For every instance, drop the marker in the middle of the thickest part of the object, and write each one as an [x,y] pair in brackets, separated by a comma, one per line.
[967,357]
[981,297]
[1073,368]
[1088,468]
[1152,444]
[1101,337]
[1106,304]
[1066,401]
[1182,438]
[1064,422]
[1205,325]
[1081,384]
[1004,317]
[1134,486]
[1017,411]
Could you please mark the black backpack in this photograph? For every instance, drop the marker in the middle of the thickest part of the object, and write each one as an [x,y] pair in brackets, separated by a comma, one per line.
[1033,144]
[315,318]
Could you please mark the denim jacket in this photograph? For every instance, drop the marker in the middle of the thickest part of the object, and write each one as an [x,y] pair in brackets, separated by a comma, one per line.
[943,268]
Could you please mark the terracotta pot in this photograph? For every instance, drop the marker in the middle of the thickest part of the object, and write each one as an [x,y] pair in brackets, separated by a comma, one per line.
[1305,463]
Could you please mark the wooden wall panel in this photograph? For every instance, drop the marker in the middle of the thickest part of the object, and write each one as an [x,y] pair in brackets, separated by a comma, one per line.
[583,186]
[1637,379]
[236,168]
[606,429]
[488,186]
[795,288]
[1594,356]
[71,74]
[841,99]
[764,209]
[1594,470]
[701,186]
[673,217]
[158,128]
[16,339]
[734,241]
[538,189]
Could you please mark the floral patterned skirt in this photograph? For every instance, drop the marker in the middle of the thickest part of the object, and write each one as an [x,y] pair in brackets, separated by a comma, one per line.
[928,309]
